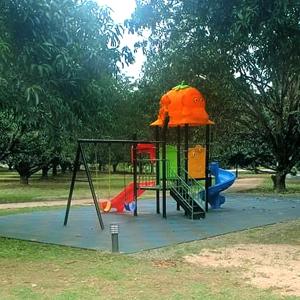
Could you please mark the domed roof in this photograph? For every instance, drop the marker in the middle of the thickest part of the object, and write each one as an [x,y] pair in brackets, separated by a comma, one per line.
[184,105]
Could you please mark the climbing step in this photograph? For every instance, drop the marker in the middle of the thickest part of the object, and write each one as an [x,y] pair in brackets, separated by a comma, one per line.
[192,209]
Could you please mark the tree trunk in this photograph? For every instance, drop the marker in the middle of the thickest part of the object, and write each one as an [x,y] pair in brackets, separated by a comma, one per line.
[23,179]
[55,163]
[63,167]
[237,171]
[45,172]
[54,170]
[279,182]
[115,167]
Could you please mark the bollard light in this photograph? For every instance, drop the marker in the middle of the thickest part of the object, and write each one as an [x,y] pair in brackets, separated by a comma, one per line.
[114,230]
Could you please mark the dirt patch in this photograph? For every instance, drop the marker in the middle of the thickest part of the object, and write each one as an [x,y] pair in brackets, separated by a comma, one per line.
[264,266]
[245,184]
[164,263]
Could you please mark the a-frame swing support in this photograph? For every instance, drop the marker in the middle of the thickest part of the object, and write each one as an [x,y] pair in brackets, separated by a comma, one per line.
[80,154]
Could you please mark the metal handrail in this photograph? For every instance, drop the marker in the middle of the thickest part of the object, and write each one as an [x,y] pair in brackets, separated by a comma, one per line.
[145,179]
[197,187]
[194,189]
[183,199]
[179,182]
[192,179]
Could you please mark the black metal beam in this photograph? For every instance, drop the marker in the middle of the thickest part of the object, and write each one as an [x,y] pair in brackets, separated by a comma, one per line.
[157,171]
[106,141]
[186,150]
[135,185]
[75,168]
[88,174]
[164,167]
[207,176]
[178,157]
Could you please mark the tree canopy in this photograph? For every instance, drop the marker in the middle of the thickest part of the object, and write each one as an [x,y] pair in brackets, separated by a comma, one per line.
[60,77]
[245,57]
[59,73]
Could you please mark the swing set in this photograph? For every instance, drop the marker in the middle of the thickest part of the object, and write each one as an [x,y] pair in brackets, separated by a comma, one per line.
[127,198]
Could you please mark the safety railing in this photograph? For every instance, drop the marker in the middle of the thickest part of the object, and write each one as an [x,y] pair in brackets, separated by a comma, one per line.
[189,193]
[147,174]
[197,189]
[181,189]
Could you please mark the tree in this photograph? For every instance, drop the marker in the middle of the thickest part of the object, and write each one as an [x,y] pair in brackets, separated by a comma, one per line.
[247,49]
[32,157]
[58,60]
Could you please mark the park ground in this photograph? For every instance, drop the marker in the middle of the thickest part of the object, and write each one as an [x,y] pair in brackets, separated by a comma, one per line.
[45,191]
[261,263]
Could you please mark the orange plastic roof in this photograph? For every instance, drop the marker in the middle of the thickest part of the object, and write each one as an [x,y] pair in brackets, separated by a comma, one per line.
[184,105]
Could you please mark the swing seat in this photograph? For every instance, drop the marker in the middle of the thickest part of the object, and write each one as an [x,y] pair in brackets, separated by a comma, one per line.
[105,206]
[130,206]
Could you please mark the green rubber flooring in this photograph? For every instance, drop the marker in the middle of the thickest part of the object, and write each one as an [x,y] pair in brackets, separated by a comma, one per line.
[148,230]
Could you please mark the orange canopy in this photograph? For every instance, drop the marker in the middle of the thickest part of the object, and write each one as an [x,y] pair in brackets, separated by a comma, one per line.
[184,105]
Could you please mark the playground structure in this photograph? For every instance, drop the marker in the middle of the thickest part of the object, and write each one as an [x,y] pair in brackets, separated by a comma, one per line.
[149,230]
[187,177]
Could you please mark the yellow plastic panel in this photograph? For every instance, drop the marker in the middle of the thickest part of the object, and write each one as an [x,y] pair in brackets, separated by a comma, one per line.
[196,166]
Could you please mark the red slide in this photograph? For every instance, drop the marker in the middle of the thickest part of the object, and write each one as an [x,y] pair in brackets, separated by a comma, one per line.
[126,196]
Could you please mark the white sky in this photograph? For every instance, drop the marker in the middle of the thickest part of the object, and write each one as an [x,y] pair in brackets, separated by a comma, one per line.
[122,9]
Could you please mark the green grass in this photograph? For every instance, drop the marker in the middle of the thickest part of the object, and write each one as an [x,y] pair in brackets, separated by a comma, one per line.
[57,188]
[39,271]
[266,187]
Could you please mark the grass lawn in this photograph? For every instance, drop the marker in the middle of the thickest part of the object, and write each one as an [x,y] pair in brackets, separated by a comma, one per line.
[266,187]
[57,188]
[38,271]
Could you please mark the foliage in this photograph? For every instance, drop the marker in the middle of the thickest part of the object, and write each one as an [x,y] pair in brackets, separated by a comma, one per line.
[58,75]
[32,154]
[244,56]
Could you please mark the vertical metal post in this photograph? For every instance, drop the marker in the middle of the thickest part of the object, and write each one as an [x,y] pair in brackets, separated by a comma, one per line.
[178,157]
[135,185]
[186,150]
[88,174]
[75,166]
[207,177]
[164,167]
[157,169]
[114,230]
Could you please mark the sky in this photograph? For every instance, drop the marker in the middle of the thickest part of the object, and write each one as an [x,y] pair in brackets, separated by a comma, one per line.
[122,9]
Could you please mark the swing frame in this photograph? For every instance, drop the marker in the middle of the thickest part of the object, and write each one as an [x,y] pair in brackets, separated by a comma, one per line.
[81,157]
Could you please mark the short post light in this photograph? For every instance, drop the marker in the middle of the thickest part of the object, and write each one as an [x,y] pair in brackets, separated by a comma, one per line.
[114,230]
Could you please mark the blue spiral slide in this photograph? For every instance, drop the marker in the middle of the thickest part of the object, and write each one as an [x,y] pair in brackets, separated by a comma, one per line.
[223,180]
